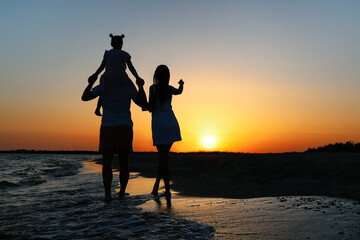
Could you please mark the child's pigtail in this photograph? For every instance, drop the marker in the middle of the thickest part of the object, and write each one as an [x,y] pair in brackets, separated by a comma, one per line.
[122,36]
[111,35]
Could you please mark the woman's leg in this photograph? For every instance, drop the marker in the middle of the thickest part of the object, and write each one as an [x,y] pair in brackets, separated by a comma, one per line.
[157,181]
[164,165]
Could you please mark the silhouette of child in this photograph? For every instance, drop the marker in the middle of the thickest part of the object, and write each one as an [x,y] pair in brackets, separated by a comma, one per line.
[118,84]
[164,125]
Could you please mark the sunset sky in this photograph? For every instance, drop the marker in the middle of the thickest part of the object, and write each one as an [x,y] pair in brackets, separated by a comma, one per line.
[260,76]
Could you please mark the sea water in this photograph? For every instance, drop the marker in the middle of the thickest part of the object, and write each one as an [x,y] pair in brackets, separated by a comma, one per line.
[50,196]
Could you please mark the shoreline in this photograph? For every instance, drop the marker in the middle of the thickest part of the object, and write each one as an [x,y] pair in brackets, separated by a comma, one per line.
[313,216]
[241,175]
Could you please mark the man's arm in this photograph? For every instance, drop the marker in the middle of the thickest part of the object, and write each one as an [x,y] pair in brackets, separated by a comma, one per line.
[88,94]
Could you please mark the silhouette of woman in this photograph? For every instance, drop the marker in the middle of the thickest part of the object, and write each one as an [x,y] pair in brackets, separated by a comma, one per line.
[165,127]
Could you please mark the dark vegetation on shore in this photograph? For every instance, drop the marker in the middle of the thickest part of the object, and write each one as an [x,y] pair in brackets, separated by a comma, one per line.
[349,146]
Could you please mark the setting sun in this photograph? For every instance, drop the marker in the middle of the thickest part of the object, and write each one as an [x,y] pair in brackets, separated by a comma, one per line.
[208,142]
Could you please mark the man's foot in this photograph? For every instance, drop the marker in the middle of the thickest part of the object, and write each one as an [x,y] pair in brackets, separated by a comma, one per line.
[97,112]
[107,198]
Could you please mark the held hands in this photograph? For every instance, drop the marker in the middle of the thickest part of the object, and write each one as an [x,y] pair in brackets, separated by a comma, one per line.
[181,82]
[140,82]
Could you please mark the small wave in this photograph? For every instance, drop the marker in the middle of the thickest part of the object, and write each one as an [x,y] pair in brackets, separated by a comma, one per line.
[30,176]
[27,172]
[6,184]
[62,168]
[61,172]
[33,180]
[119,220]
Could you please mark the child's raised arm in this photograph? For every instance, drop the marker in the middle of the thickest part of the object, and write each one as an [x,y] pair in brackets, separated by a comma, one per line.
[101,68]
[180,89]
[132,69]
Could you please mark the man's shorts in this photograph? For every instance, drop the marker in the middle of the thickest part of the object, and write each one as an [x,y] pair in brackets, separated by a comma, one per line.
[115,139]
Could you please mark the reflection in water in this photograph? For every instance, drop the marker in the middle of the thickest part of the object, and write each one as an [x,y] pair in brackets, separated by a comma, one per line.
[164,207]
[90,167]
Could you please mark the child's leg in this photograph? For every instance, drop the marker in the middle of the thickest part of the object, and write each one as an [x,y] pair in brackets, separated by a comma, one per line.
[98,106]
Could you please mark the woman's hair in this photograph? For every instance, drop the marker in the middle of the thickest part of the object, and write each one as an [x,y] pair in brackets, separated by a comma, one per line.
[117,41]
[161,80]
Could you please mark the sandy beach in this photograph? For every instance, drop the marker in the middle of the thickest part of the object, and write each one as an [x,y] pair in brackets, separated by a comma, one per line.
[231,175]
[259,196]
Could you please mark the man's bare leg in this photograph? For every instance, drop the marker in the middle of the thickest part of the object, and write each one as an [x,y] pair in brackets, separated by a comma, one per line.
[107,175]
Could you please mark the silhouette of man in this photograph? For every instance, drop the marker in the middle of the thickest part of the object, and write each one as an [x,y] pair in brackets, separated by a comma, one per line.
[116,134]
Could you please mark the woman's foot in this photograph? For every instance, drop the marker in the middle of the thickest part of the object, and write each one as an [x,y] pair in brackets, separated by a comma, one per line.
[155,189]
[166,194]
[123,194]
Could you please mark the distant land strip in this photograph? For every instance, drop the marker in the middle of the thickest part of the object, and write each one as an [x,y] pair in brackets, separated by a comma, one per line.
[348,146]
[27,151]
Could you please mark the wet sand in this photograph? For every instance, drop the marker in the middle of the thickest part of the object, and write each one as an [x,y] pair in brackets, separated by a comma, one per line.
[290,217]
[269,217]
[259,196]
[258,175]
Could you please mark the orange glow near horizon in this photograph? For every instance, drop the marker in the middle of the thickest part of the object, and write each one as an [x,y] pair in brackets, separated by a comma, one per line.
[236,118]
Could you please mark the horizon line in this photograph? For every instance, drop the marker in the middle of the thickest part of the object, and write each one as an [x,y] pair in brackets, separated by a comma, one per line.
[97,152]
